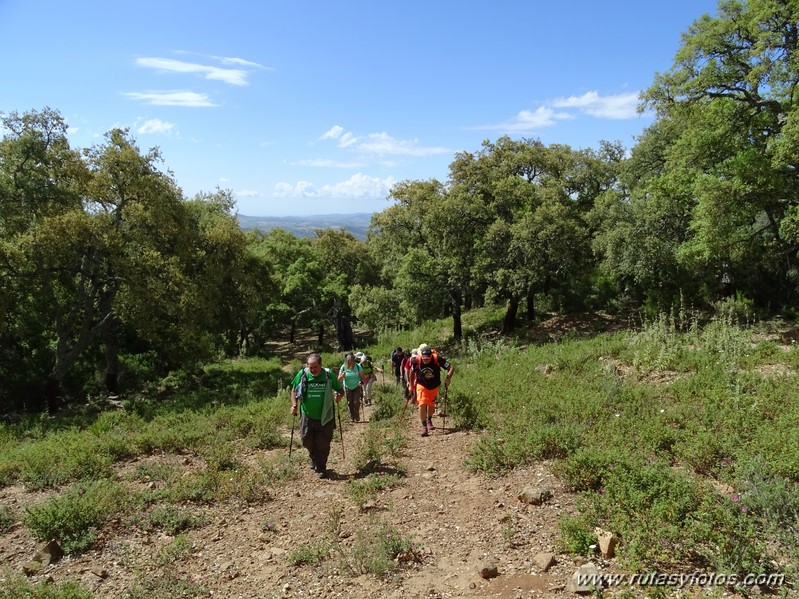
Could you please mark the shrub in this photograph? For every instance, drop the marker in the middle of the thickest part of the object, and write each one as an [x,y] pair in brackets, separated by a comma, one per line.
[310,554]
[362,490]
[74,517]
[13,586]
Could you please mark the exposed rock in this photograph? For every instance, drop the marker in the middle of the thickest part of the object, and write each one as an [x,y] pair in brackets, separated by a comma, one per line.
[545,369]
[607,542]
[544,561]
[49,553]
[488,570]
[535,495]
[583,574]
[32,568]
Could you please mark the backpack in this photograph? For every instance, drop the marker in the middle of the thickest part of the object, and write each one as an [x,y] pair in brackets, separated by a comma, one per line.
[366,364]
[416,361]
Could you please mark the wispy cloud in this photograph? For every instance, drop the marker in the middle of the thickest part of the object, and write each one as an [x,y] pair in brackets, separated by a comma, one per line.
[155,127]
[326,163]
[171,98]
[246,193]
[527,120]
[616,107]
[359,186]
[380,144]
[236,76]
[241,62]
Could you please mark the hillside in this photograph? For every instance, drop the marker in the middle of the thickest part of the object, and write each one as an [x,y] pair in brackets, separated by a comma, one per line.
[304,226]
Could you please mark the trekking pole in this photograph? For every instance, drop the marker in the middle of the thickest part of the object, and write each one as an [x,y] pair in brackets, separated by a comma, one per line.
[444,410]
[291,441]
[293,422]
[341,435]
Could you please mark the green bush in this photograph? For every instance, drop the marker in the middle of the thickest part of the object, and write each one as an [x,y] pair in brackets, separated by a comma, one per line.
[364,489]
[6,519]
[74,517]
[13,586]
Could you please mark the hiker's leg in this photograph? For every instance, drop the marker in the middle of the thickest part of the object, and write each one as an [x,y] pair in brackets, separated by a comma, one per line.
[324,438]
[352,404]
[367,391]
[357,394]
[307,436]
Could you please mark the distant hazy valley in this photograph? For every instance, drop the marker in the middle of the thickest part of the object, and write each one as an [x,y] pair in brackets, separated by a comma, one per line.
[304,226]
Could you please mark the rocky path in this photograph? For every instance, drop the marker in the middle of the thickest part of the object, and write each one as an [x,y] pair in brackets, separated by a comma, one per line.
[462,522]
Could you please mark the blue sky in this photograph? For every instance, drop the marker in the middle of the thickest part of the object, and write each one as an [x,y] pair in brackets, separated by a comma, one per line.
[314,107]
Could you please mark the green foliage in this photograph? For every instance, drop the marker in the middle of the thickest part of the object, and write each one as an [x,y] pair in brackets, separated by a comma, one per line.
[461,408]
[74,517]
[381,442]
[171,519]
[362,490]
[378,548]
[168,585]
[7,519]
[309,554]
[180,547]
[576,535]
[14,586]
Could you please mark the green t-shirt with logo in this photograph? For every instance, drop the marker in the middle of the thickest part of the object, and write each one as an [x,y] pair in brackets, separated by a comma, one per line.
[317,403]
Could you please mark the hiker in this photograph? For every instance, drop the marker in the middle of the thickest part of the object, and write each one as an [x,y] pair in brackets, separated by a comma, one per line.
[314,390]
[425,379]
[369,370]
[406,364]
[351,373]
[396,362]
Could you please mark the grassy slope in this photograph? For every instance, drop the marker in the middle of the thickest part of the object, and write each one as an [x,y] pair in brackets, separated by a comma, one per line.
[683,444]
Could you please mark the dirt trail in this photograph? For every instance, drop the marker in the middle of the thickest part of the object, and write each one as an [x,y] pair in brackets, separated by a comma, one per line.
[459,519]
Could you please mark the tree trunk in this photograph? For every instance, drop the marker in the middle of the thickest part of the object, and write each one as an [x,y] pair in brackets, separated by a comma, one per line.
[457,325]
[509,322]
[51,391]
[111,355]
[531,307]
[320,334]
[292,331]
[341,320]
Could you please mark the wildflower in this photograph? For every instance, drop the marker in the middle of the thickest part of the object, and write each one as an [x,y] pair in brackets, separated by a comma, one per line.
[743,510]
[735,499]
[388,535]
[602,490]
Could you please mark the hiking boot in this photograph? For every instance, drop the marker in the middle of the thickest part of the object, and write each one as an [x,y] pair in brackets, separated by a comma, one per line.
[424,431]
[311,464]
[430,424]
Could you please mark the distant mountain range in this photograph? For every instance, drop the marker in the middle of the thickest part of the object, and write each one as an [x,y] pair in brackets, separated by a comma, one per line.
[304,226]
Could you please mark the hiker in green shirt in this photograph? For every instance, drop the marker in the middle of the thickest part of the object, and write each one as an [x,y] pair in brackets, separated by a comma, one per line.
[313,394]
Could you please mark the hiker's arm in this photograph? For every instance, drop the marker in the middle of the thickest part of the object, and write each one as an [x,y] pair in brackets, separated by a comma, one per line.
[450,370]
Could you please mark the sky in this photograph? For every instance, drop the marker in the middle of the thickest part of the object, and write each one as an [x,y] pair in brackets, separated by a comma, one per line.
[319,107]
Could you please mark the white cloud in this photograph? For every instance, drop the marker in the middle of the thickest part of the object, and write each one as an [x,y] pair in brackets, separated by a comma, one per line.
[229,76]
[617,107]
[326,163]
[334,133]
[247,193]
[526,121]
[359,186]
[155,126]
[380,144]
[241,62]
[172,98]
